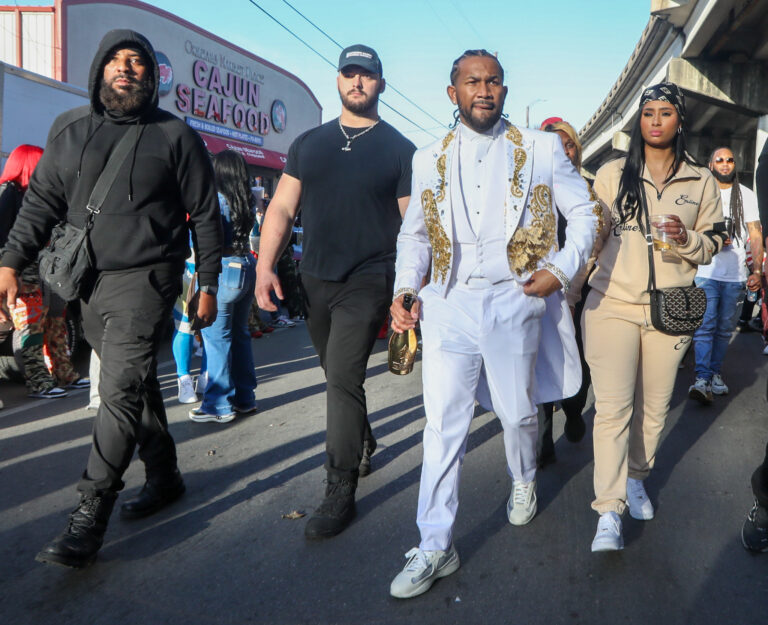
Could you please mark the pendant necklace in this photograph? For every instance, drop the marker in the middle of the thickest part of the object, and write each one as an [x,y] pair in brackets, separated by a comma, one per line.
[349,139]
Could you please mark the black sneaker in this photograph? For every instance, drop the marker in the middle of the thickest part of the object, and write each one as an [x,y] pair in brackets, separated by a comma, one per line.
[369,447]
[335,513]
[754,532]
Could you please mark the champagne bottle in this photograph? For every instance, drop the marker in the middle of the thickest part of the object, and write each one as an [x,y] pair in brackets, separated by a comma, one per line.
[402,347]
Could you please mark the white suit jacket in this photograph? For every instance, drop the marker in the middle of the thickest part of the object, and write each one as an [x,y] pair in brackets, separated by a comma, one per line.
[539,177]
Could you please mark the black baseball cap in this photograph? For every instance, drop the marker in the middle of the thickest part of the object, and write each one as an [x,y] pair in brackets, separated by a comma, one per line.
[362,56]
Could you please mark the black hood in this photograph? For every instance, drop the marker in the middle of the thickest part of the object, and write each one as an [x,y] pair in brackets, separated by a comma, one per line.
[121,38]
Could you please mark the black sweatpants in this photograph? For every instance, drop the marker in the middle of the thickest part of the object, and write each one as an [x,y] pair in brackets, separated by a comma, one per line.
[572,406]
[760,482]
[343,319]
[123,319]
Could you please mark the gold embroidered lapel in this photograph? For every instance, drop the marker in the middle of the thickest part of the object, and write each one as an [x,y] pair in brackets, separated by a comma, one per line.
[438,239]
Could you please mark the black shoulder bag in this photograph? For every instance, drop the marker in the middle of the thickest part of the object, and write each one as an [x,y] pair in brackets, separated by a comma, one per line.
[66,262]
[677,310]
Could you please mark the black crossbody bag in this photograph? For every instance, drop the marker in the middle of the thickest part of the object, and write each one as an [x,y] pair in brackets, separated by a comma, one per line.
[66,263]
[677,310]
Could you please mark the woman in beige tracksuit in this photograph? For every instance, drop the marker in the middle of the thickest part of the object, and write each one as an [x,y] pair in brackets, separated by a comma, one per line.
[634,365]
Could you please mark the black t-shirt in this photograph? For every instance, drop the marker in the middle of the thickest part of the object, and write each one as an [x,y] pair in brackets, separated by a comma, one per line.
[349,199]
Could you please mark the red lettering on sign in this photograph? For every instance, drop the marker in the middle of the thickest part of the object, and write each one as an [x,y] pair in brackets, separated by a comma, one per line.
[214,80]
[182,98]
[226,110]
[238,115]
[199,102]
[198,73]
[253,94]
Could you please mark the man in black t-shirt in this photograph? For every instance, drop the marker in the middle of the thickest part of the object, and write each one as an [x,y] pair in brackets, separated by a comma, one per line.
[351,178]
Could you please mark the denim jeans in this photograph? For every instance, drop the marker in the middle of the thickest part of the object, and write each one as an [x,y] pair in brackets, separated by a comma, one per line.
[231,376]
[710,341]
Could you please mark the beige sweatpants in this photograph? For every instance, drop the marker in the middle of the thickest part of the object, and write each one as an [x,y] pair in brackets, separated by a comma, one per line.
[633,368]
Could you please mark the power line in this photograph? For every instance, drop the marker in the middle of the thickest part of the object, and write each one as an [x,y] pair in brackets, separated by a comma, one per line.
[332,64]
[389,84]
[309,21]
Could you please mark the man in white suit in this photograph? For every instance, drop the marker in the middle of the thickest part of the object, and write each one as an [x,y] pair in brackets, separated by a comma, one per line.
[494,322]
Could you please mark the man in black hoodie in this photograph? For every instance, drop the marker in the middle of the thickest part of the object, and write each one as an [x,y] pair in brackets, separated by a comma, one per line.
[139,242]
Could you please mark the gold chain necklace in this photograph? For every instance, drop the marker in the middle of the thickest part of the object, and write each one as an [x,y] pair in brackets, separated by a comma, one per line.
[349,139]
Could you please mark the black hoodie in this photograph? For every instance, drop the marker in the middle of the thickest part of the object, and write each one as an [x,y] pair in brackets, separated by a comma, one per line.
[143,221]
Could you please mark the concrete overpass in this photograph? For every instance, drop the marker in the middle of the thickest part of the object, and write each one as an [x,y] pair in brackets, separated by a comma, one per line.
[717,52]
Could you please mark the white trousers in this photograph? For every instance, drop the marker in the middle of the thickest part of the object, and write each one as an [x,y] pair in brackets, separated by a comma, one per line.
[495,331]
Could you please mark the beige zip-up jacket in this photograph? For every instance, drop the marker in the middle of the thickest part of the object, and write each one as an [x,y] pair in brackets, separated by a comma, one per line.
[621,251]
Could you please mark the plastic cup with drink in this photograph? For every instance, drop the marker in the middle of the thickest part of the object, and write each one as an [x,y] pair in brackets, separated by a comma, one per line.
[662,240]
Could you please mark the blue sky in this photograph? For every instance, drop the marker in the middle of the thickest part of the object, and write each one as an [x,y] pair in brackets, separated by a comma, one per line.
[566,52]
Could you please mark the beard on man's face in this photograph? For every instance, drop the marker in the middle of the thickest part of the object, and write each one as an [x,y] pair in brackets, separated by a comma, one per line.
[726,178]
[478,119]
[359,106]
[125,100]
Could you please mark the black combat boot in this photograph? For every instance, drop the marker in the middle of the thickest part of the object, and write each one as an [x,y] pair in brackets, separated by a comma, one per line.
[155,495]
[369,446]
[335,513]
[754,532]
[78,545]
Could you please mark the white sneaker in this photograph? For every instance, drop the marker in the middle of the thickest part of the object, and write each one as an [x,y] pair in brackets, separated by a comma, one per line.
[718,385]
[608,536]
[283,322]
[640,507]
[201,383]
[421,571]
[198,415]
[187,393]
[701,391]
[521,506]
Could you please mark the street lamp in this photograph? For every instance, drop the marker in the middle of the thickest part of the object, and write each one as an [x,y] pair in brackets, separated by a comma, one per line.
[528,110]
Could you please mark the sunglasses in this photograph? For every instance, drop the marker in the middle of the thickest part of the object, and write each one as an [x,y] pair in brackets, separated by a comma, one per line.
[721,159]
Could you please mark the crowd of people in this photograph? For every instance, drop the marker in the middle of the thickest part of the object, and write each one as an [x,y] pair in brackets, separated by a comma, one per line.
[530,283]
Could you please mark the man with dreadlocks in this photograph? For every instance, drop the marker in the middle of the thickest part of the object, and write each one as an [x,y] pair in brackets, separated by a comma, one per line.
[724,279]
[495,324]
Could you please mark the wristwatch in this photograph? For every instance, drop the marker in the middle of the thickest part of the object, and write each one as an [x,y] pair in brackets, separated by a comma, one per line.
[209,289]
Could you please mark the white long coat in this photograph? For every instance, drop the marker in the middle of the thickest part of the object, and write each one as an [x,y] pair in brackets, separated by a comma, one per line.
[539,177]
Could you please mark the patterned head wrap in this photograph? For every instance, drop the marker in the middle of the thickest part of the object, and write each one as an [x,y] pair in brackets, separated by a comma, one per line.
[667,92]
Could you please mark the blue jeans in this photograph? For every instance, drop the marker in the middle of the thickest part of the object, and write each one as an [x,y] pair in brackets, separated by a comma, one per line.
[231,376]
[710,341]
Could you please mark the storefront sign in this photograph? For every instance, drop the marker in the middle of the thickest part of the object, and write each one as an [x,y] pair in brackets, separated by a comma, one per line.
[227,95]
[223,131]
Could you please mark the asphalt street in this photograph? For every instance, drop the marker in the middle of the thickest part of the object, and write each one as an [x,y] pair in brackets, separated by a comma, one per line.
[230,552]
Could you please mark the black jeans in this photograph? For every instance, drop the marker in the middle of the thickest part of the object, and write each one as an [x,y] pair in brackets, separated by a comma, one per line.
[123,319]
[343,319]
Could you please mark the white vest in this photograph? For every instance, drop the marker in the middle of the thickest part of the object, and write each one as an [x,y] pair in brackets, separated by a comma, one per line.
[478,196]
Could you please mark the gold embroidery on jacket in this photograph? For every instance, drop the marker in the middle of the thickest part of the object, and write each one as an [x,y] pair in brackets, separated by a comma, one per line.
[447,139]
[520,158]
[441,185]
[514,135]
[529,245]
[597,209]
[441,245]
